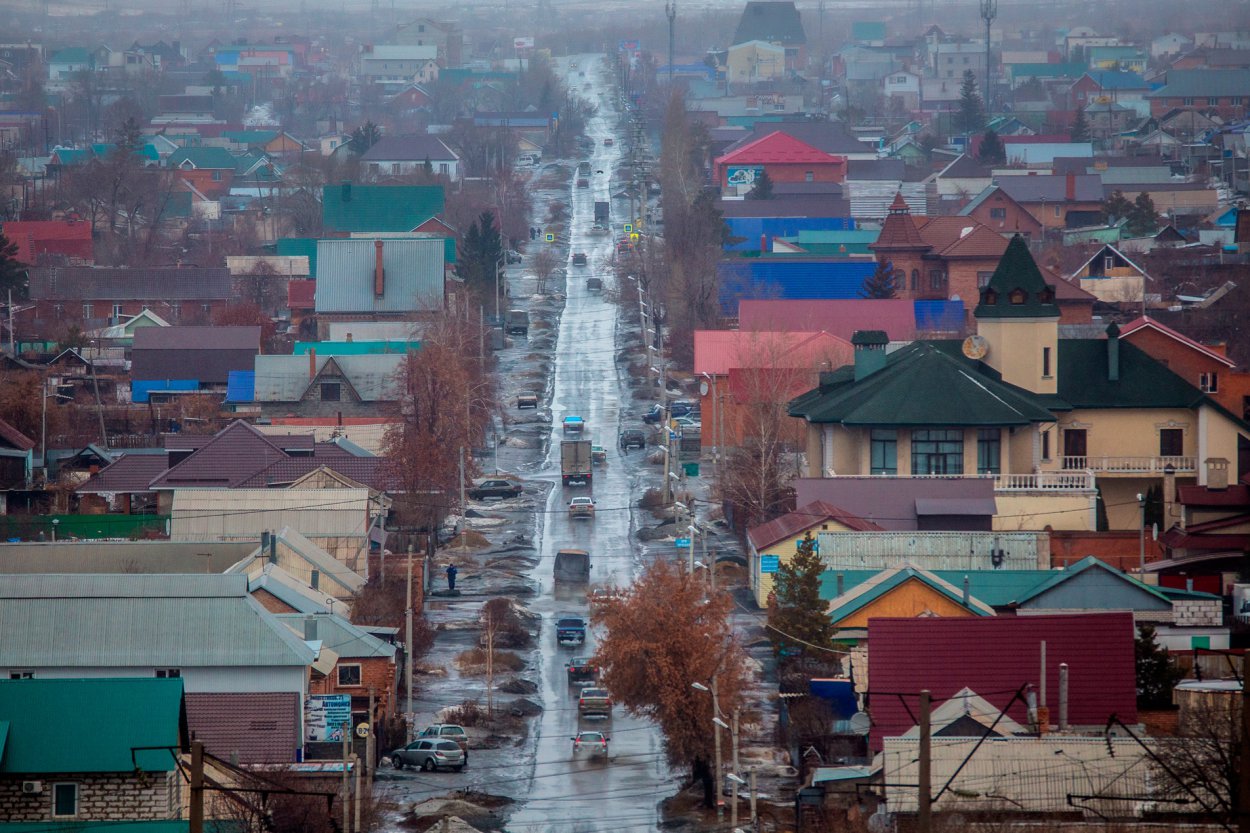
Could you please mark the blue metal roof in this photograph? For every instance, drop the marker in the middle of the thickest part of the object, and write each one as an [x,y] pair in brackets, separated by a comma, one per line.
[241,386]
[141,389]
[939,315]
[792,279]
[752,227]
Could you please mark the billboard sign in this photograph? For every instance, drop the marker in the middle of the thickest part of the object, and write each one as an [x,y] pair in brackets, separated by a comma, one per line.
[523,43]
[743,175]
[324,716]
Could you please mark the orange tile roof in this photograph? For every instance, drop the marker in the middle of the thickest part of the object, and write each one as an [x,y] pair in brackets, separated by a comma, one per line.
[981,242]
[900,230]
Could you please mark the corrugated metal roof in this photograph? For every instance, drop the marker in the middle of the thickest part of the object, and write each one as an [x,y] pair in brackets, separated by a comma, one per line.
[129,620]
[77,283]
[207,514]
[795,279]
[337,634]
[98,725]
[286,378]
[413,275]
[255,728]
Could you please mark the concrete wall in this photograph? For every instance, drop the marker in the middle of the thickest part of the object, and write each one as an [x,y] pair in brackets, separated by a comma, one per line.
[1038,511]
[1016,347]
[101,797]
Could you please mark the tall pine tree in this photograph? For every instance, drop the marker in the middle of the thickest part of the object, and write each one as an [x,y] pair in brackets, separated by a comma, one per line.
[992,150]
[762,189]
[799,619]
[971,111]
[882,283]
[1080,127]
[1143,219]
[12,270]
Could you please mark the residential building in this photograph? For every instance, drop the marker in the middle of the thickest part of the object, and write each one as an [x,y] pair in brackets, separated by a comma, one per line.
[381,278]
[351,208]
[951,60]
[17,462]
[409,155]
[1206,366]
[902,91]
[446,37]
[66,62]
[326,385]
[1112,278]
[1208,532]
[995,209]
[210,170]
[777,22]
[205,355]
[398,64]
[363,665]
[244,674]
[60,768]
[1057,202]
[90,297]
[288,573]
[1049,420]
[1223,91]
[66,242]
[783,157]
[753,62]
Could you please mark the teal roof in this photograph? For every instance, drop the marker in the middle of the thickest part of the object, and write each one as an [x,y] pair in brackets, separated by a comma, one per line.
[74,156]
[835,242]
[148,152]
[380,208]
[209,157]
[921,385]
[300,247]
[1075,70]
[72,55]
[354,348]
[79,726]
[177,206]
[1017,288]
[868,30]
[860,597]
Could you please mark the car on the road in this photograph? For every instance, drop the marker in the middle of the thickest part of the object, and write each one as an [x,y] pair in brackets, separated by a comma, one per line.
[573,424]
[429,754]
[494,487]
[579,258]
[594,284]
[572,64]
[570,629]
[582,670]
[598,455]
[448,731]
[608,142]
[594,702]
[632,438]
[583,182]
[594,742]
[512,256]
[582,507]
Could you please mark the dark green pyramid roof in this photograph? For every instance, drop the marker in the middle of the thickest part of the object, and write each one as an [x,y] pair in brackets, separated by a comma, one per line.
[1017,288]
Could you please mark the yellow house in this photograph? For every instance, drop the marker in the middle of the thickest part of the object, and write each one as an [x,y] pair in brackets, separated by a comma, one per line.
[1112,278]
[755,61]
[906,591]
[1071,431]
[773,544]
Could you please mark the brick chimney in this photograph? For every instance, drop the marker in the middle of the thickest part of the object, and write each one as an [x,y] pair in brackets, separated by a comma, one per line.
[379,274]
[1069,189]
[312,363]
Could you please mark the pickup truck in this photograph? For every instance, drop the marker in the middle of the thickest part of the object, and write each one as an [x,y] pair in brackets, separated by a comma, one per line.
[570,629]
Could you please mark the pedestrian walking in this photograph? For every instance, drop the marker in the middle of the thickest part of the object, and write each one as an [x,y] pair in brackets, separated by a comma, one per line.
[451,576]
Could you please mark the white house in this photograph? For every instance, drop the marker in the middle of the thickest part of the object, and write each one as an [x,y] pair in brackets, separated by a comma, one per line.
[395,63]
[904,87]
[406,155]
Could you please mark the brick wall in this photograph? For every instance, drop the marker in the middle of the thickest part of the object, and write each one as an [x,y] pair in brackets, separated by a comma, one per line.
[375,672]
[101,797]
[1119,549]
[272,603]
[1198,613]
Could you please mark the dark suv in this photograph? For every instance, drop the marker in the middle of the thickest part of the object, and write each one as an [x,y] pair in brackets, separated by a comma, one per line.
[494,488]
[632,438]
[675,409]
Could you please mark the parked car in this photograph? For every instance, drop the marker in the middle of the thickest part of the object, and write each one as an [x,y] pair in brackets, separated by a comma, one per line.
[632,438]
[579,258]
[582,507]
[527,400]
[573,424]
[448,731]
[582,670]
[608,142]
[494,488]
[689,424]
[594,702]
[512,256]
[429,754]
[594,742]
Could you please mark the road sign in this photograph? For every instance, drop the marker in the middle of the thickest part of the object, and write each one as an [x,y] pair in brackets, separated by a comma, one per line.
[550,238]
[629,227]
[633,235]
[769,563]
[682,542]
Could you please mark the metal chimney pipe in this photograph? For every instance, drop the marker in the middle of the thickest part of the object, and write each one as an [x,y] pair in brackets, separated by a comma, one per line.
[840,584]
[967,591]
[1063,696]
[1041,686]
[379,274]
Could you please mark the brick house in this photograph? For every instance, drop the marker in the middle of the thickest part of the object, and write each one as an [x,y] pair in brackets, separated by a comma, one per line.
[1058,202]
[357,662]
[40,241]
[1222,91]
[91,297]
[58,767]
[996,209]
[210,170]
[1206,366]
[783,157]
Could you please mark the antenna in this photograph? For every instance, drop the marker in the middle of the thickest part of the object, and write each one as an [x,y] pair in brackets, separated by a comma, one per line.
[989,11]
[670,11]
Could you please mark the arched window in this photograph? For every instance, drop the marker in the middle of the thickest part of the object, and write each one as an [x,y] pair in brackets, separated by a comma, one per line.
[915,279]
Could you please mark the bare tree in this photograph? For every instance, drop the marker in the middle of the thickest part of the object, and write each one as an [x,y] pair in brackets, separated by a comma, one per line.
[543,263]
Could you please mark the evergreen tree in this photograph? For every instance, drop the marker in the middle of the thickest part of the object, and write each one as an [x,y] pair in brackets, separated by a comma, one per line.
[763,187]
[1143,219]
[482,250]
[12,271]
[1157,675]
[1080,127]
[364,137]
[971,111]
[992,151]
[882,283]
[1116,207]
[799,618]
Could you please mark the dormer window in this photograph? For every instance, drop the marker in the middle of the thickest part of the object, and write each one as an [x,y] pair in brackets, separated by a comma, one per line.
[991,297]
[1046,296]
[1017,297]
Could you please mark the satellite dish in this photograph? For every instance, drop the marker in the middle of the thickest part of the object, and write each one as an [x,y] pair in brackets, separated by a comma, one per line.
[976,347]
[860,723]
[703,387]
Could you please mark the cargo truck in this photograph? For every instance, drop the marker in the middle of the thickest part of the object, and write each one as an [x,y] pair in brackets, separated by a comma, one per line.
[601,215]
[575,463]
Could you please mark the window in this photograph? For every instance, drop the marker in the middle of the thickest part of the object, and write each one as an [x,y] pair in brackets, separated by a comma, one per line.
[64,800]
[330,392]
[117,310]
[915,279]
[1212,101]
[883,445]
[1075,448]
[809,176]
[314,580]
[989,451]
[936,279]
[444,168]
[206,308]
[1017,297]
[1171,442]
[983,279]
[937,451]
[168,673]
[349,675]
[1187,101]
[1046,363]
[1209,382]
[1056,210]
[21,675]
[88,310]
[998,214]
[1045,445]
[216,176]
[58,310]
[175,311]
[1108,263]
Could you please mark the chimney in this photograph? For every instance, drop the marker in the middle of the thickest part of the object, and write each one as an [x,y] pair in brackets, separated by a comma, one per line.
[763,244]
[1069,189]
[1217,473]
[310,628]
[349,338]
[967,591]
[1169,495]
[264,542]
[379,274]
[869,352]
[312,363]
[1063,697]
[347,192]
[273,548]
[1113,352]
[841,585]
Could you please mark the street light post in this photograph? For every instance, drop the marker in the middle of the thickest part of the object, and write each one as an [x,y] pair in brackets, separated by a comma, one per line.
[1141,535]
[718,723]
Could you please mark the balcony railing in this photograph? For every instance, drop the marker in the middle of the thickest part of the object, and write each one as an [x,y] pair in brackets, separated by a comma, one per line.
[1131,465]
[936,550]
[1046,481]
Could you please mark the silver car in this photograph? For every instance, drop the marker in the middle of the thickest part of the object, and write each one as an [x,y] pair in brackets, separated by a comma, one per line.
[429,754]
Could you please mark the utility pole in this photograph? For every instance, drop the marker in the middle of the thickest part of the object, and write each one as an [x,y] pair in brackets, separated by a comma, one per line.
[356,793]
[1243,771]
[754,800]
[924,814]
[670,11]
[733,807]
[196,823]
[717,721]
[989,11]
[370,740]
[347,739]
[408,645]
[464,539]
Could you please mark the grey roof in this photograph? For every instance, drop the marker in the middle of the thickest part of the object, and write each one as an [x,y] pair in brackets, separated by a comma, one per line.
[415,148]
[1025,189]
[127,621]
[775,22]
[198,338]
[337,634]
[1204,83]
[286,378]
[292,542]
[206,354]
[412,269]
[805,205]
[85,283]
[876,169]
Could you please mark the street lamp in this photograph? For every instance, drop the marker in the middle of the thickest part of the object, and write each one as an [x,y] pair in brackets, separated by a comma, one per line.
[1141,535]
[719,724]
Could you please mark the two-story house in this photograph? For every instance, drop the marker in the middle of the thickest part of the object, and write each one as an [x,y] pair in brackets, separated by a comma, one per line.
[1082,426]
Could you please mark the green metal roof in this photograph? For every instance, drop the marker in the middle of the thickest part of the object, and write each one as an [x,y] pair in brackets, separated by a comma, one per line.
[859,597]
[1017,273]
[93,725]
[300,247]
[379,207]
[921,385]
[354,348]
[1144,382]
[72,55]
[210,158]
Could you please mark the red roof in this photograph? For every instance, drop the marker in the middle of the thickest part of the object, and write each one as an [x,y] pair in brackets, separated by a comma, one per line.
[1146,322]
[900,230]
[716,352]
[777,148]
[805,517]
[14,438]
[301,294]
[1238,495]
[67,238]
[840,317]
[994,657]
